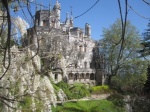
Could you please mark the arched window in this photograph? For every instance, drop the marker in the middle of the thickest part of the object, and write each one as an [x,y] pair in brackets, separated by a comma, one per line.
[70,75]
[82,76]
[76,76]
[56,76]
[87,75]
[92,76]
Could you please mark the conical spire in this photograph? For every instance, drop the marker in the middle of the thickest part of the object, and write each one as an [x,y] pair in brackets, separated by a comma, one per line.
[67,15]
[71,18]
[36,8]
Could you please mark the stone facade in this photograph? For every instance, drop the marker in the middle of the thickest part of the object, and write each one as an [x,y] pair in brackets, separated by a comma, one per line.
[75,45]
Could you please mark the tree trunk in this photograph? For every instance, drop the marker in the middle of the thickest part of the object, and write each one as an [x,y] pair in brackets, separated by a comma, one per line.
[109,80]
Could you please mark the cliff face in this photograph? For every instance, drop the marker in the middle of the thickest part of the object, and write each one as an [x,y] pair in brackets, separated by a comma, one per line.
[24,86]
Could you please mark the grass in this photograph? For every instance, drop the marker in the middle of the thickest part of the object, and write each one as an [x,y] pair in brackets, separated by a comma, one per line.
[88,106]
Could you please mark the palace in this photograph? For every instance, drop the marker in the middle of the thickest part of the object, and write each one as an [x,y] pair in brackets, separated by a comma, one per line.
[67,52]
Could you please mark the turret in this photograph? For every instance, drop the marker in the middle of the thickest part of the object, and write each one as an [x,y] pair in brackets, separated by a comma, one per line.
[57,9]
[71,19]
[67,22]
[87,30]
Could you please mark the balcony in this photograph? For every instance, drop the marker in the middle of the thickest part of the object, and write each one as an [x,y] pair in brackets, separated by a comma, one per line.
[80,70]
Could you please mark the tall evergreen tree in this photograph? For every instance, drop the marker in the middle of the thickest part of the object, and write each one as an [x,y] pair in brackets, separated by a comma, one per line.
[146,42]
[147,84]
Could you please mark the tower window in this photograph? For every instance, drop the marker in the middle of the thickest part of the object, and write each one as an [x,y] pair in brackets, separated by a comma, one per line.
[81,36]
[56,76]
[80,48]
[45,22]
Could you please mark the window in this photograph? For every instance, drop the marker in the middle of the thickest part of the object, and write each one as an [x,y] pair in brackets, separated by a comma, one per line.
[70,76]
[85,64]
[84,48]
[45,23]
[80,48]
[82,75]
[92,76]
[81,36]
[87,76]
[76,76]
[56,76]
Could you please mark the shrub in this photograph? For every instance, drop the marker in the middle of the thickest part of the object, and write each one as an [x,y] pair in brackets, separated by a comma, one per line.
[129,83]
[79,90]
[100,89]
[74,91]
[26,104]
[140,103]
[65,87]
[117,99]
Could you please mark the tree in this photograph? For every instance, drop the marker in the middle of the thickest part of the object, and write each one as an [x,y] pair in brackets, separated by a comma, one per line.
[120,63]
[147,84]
[146,42]
[9,26]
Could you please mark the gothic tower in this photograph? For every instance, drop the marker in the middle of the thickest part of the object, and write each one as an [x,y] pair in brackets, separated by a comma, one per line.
[87,30]
[57,9]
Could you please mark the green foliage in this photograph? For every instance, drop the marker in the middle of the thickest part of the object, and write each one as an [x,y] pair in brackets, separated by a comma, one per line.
[1,106]
[63,85]
[39,105]
[26,104]
[101,89]
[145,51]
[117,99]
[56,88]
[26,58]
[131,81]
[140,104]
[88,106]
[120,62]
[79,90]
[14,88]
[75,91]
[147,84]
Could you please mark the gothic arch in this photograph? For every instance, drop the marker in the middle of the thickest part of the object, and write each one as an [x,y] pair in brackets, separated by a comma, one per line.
[92,76]
[87,76]
[71,75]
[76,76]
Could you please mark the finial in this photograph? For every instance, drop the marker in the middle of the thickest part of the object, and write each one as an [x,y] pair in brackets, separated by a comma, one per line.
[40,7]
[49,6]
[71,10]
[71,13]
[36,6]
[67,15]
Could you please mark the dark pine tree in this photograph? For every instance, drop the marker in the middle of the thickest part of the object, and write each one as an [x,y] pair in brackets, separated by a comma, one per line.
[146,42]
[147,84]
